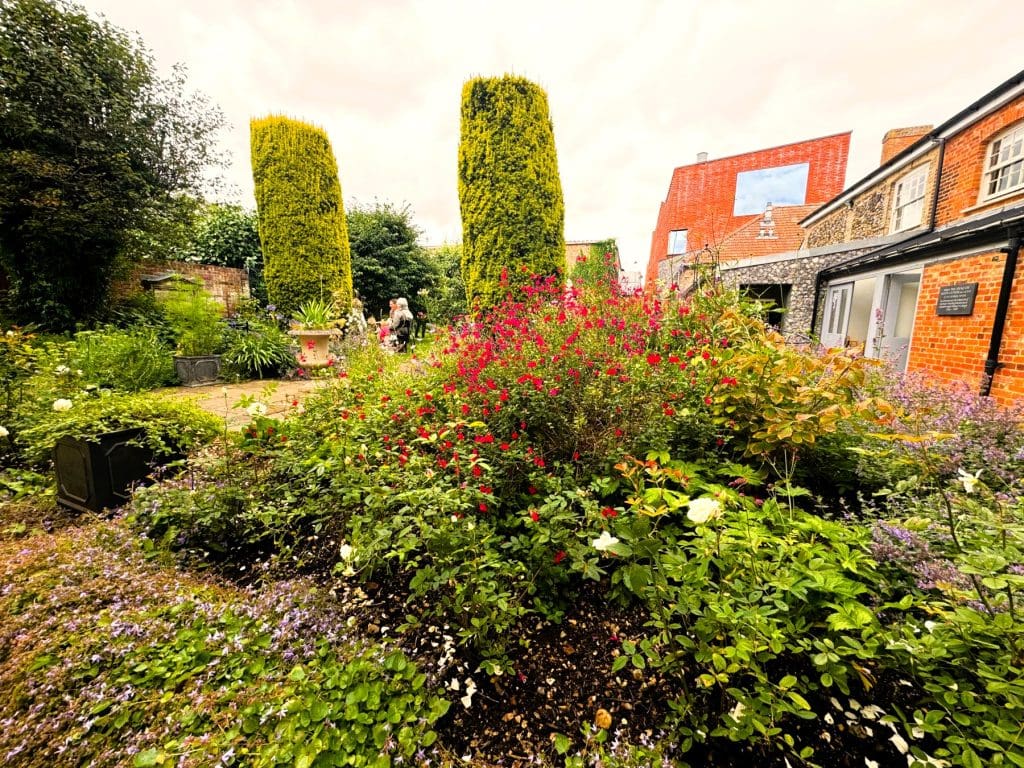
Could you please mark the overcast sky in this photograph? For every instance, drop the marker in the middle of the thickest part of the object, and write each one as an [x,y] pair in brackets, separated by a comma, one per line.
[636,87]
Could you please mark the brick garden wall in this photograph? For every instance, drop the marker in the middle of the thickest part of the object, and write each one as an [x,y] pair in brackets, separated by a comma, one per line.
[952,348]
[226,284]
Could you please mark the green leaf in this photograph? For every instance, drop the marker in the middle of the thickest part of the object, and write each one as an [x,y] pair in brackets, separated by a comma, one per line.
[562,743]
[787,682]
[148,758]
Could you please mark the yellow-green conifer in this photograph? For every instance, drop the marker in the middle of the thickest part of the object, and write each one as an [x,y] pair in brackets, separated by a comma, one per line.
[302,218]
[510,195]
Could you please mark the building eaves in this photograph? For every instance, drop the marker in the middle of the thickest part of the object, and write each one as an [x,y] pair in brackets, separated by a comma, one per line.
[989,227]
[973,112]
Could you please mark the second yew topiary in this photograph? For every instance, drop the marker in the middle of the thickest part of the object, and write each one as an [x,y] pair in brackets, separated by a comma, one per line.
[510,195]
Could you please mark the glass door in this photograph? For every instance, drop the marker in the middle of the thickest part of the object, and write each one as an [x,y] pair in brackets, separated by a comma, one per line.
[838,302]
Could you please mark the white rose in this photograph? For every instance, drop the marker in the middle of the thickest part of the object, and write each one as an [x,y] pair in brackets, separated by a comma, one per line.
[4,432]
[604,542]
[703,509]
[62,404]
[257,409]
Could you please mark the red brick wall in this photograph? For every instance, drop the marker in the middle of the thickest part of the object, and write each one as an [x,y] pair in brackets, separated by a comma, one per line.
[898,139]
[964,162]
[226,284]
[953,349]
[701,196]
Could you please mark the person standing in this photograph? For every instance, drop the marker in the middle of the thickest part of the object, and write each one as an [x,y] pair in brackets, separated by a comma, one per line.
[402,325]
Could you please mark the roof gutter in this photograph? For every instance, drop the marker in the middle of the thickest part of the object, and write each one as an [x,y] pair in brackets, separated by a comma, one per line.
[1012,252]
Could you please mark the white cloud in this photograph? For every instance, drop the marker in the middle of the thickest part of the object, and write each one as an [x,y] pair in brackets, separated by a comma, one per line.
[635,89]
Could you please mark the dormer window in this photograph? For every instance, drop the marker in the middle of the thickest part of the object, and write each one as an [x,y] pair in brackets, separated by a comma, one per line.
[908,200]
[1004,164]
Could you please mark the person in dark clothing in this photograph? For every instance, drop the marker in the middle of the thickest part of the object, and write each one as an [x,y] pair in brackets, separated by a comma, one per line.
[420,326]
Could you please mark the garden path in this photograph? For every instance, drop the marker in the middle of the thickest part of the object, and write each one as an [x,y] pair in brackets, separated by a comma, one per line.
[219,399]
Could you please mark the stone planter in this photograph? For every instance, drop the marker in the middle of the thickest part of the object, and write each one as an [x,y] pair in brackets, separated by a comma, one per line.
[313,349]
[97,474]
[197,371]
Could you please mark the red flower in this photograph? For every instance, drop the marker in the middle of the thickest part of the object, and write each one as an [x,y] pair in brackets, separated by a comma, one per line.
[653,358]
[609,512]
[559,556]
[485,489]
[534,515]
[482,507]
[531,490]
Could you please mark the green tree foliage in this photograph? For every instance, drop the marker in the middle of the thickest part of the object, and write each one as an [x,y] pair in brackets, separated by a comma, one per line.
[301,214]
[509,191]
[600,265]
[95,150]
[228,236]
[386,260]
[446,300]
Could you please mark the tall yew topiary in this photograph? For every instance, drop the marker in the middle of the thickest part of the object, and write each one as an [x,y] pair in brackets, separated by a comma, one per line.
[301,214]
[510,195]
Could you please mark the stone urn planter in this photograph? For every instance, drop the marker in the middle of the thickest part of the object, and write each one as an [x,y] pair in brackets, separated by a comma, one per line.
[313,344]
[97,474]
[197,370]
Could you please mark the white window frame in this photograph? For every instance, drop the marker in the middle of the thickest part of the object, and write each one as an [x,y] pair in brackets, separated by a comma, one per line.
[908,200]
[1004,164]
[672,241]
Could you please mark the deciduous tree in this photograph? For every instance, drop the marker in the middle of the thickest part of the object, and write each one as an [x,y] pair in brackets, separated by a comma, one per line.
[95,149]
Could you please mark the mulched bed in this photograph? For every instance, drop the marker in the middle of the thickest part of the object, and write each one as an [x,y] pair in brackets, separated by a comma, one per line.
[562,676]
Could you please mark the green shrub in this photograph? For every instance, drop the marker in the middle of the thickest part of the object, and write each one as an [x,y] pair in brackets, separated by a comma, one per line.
[510,195]
[196,318]
[170,425]
[261,349]
[129,360]
[301,214]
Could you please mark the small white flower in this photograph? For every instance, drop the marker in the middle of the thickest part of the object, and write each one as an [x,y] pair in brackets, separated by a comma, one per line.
[10,334]
[900,743]
[930,625]
[61,370]
[62,404]
[257,409]
[223,390]
[970,481]
[345,551]
[604,542]
[870,763]
[703,509]
[4,432]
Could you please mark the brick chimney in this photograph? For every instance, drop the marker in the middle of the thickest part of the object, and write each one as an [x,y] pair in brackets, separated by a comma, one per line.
[898,139]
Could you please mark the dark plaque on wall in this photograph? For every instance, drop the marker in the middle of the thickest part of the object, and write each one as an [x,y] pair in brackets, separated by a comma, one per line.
[956,299]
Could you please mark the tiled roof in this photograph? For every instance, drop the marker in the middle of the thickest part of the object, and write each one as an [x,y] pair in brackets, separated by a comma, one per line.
[745,241]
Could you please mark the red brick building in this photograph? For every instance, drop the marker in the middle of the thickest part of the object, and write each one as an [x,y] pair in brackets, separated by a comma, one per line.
[711,199]
[943,295]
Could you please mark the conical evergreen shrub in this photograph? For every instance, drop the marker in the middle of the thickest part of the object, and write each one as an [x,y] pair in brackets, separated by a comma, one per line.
[510,195]
[301,214]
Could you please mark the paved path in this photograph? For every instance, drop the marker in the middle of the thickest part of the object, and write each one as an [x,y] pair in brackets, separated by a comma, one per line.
[279,404]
